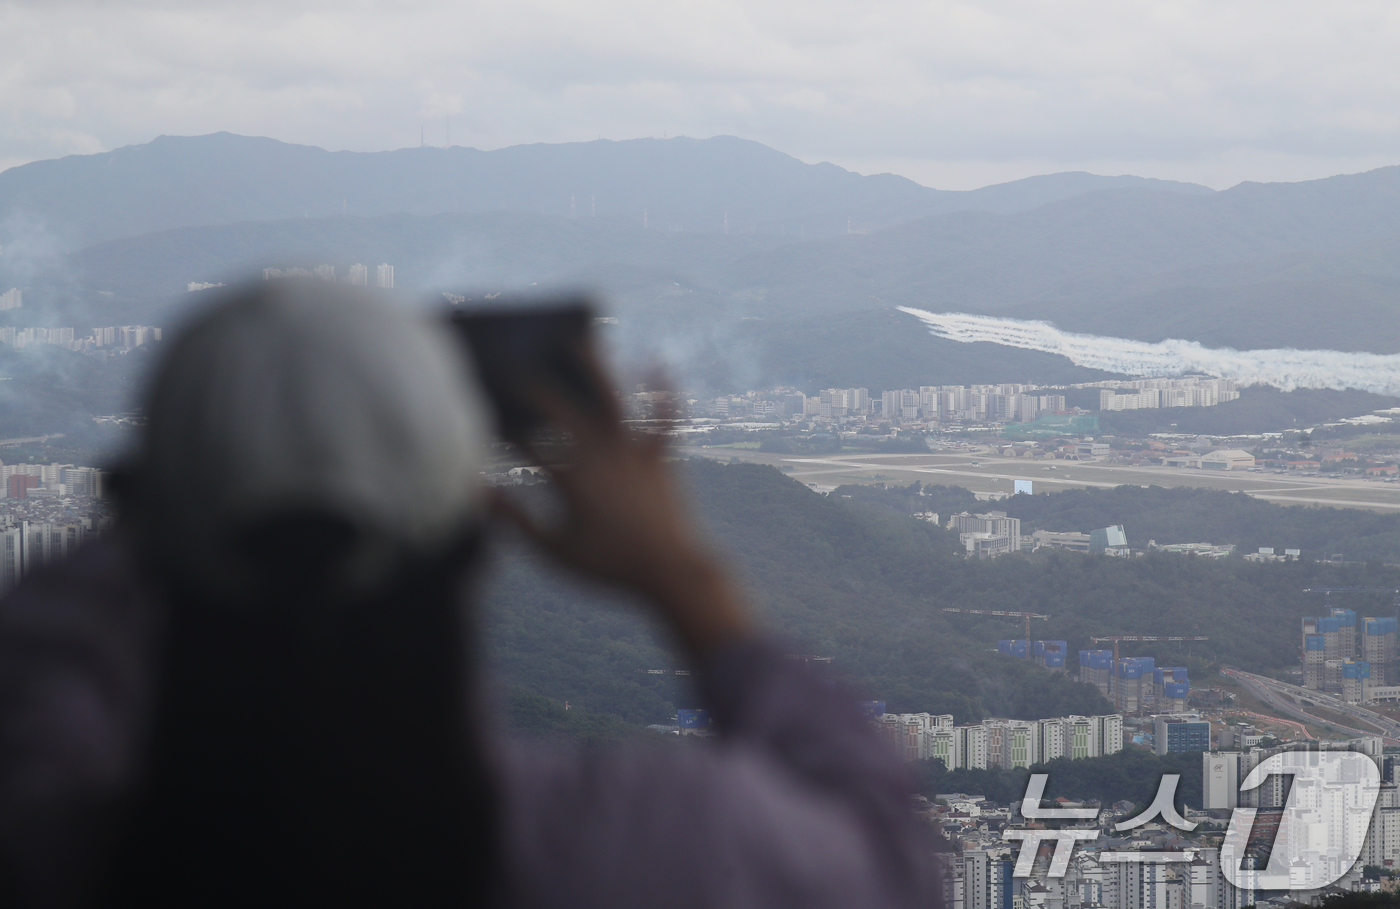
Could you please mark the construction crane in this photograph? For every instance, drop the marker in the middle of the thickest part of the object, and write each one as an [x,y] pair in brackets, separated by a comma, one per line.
[1116,638]
[1006,615]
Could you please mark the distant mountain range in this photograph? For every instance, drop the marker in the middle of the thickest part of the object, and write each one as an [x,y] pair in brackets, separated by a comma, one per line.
[1278,265]
[674,184]
[741,263]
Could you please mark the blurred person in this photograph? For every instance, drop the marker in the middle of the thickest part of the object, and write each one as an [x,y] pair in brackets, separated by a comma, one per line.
[260,688]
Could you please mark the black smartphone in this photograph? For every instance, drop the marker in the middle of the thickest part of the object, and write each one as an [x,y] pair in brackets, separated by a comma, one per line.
[523,349]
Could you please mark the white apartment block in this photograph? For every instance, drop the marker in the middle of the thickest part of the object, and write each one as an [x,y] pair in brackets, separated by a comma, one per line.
[28,547]
[11,299]
[1050,740]
[1335,813]
[123,336]
[11,557]
[385,276]
[984,881]
[989,535]
[1221,783]
[910,733]
[972,747]
[901,405]
[943,743]
[1383,837]
[1208,887]
[1011,744]
[994,522]
[1148,399]
[968,403]
[836,403]
[998,743]
[45,544]
[1191,391]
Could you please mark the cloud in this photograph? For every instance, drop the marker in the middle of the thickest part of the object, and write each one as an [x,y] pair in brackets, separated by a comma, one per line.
[1286,369]
[948,91]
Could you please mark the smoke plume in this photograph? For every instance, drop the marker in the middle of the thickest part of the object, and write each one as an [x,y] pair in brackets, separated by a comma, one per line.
[1286,369]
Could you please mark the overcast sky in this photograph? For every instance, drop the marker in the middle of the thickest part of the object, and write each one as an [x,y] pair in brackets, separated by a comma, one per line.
[952,94]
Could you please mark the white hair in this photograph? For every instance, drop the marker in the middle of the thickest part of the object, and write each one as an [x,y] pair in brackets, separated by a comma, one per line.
[298,397]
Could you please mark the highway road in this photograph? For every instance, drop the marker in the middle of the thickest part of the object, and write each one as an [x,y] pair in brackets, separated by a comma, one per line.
[1279,696]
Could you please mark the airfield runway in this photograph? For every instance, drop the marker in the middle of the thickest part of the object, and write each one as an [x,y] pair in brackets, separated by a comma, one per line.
[991,475]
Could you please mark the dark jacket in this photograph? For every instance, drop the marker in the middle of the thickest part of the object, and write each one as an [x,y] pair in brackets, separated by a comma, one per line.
[797,804]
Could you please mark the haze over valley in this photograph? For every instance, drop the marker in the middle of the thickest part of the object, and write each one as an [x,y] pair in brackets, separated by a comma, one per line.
[734,263]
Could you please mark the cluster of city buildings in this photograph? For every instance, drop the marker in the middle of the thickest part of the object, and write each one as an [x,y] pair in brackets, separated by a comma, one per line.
[957,404]
[983,879]
[994,533]
[1331,807]
[995,743]
[46,512]
[1189,391]
[1353,658]
[1339,821]
[116,338]
[53,481]
[926,404]
[1136,685]
[358,275]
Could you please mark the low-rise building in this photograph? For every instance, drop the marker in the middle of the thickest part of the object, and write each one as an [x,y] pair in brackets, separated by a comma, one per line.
[987,535]
[1227,459]
[1179,733]
[1204,550]
[1053,539]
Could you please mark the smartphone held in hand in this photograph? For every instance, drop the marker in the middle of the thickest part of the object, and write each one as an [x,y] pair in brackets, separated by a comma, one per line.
[529,350]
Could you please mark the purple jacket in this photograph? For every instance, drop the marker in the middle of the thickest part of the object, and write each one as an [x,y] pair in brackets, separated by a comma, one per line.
[796,805]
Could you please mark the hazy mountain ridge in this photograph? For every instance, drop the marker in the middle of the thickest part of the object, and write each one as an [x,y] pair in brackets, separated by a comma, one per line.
[1267,266]
[679,183]
[1259,265]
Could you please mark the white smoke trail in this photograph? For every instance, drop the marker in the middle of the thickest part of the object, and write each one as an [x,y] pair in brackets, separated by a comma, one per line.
[1286,369]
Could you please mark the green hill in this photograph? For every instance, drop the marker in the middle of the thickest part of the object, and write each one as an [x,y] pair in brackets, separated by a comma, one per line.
[865,584]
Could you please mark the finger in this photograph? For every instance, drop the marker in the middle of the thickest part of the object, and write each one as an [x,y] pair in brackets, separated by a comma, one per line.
[668,409]
[503,506]
[657,441]
[559,410]
[602,382]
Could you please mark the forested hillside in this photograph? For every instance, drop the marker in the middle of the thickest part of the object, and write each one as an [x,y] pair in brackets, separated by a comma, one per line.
[861,582]
[832,578]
